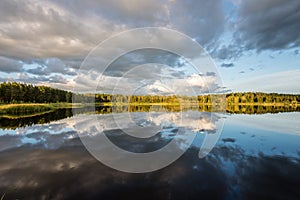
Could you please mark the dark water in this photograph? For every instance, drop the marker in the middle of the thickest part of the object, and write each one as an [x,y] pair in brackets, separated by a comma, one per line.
[255,156]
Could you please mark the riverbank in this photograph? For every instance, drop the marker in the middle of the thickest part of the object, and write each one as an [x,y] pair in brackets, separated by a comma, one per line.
[32,108]
[28,107]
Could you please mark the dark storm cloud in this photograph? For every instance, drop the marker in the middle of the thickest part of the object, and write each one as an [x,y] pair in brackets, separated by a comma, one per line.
[268,24]
[227,65]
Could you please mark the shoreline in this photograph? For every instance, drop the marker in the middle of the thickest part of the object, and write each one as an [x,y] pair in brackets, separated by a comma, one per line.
[79,105]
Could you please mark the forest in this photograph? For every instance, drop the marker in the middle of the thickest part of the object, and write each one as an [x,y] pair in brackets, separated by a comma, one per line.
[13,93]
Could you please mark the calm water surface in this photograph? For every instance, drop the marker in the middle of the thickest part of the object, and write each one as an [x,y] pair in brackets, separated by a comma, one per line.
[255,157]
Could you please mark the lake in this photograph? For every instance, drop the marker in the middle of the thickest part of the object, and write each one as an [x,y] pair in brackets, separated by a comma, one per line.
[254,156]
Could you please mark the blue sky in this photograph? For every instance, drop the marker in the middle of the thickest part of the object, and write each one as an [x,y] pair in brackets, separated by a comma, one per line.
[254,43]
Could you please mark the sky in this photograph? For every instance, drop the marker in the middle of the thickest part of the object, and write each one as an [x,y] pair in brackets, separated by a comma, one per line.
[254,44]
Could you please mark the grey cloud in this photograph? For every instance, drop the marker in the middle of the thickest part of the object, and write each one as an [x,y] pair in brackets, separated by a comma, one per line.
[268,24]
[203,20]
[56,65]
[296,52]
[208,74]
[70,29]
[38,71]
[57,79]
[226,52]
[211,74]
[134,13]
[10,65]
[57,35]
[130,60]
[194,18]
[42,29]
[227,65]
[25,77]
[242,72]
[51,65]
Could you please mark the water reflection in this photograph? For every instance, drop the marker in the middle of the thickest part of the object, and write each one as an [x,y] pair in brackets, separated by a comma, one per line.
[256,157]
[15,122]
[70,173]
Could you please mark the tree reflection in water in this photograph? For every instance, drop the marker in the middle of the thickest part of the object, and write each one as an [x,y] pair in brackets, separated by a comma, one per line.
[15,122]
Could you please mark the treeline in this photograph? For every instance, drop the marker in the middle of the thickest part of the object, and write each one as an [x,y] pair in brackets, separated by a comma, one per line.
[229,99]
[259,97]
[172,99]
[12,92]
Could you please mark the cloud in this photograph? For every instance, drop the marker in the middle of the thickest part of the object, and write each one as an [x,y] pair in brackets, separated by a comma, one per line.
[268,24]
[131,60]
[256,25]
[195,18]
[53,37]
[142,82]
[226,52]
[193,84]
[211,74]
[23,77]
[133,13]
[54,80]
[38,71]
[59,29]
[10,65]
[227,65]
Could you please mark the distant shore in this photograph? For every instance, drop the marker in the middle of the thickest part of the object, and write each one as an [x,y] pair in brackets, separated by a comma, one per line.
[34,107]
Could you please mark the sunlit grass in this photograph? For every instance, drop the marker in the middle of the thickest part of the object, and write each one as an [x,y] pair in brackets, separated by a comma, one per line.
[25,108]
